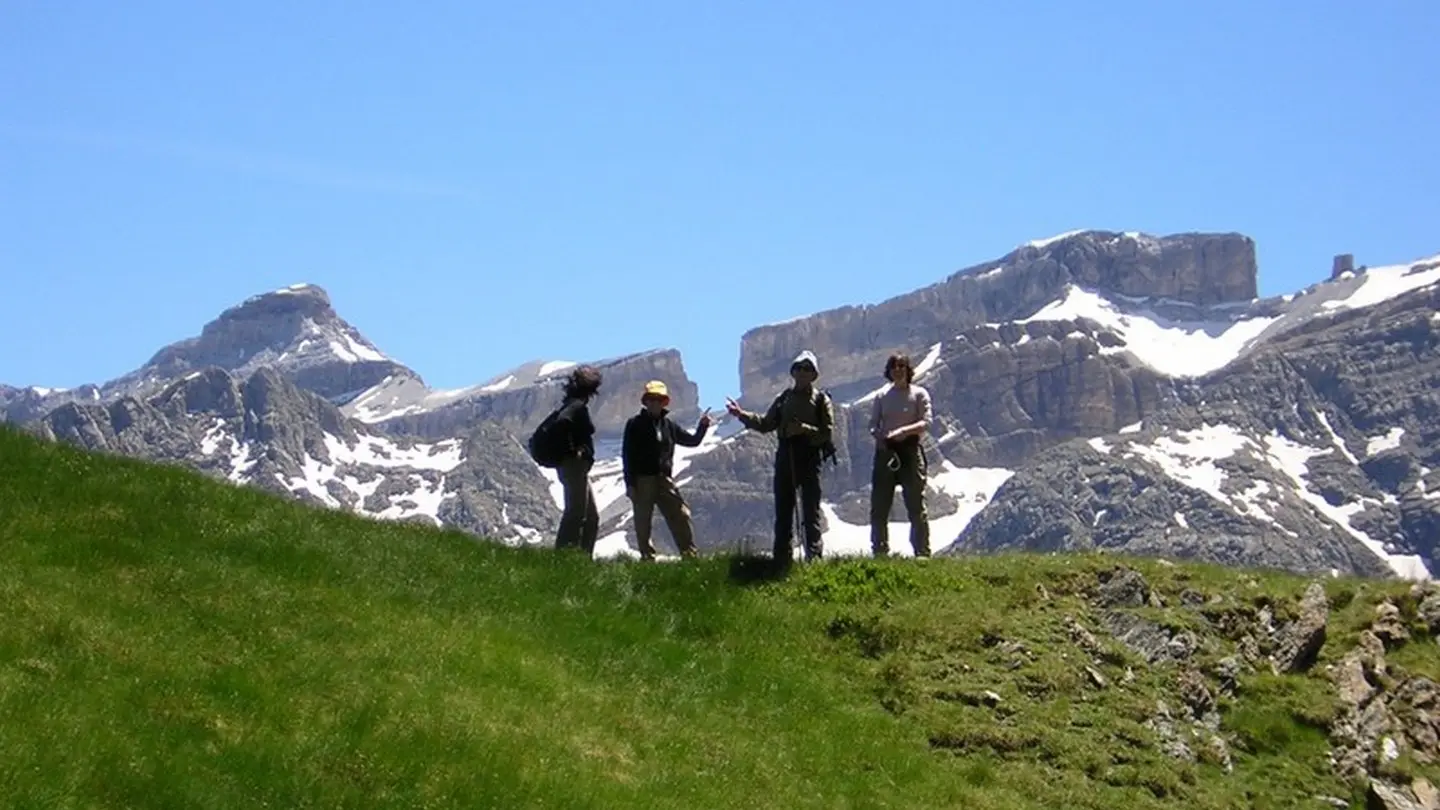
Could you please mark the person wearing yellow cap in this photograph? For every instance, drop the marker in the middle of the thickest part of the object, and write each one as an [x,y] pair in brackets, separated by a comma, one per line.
[647,456]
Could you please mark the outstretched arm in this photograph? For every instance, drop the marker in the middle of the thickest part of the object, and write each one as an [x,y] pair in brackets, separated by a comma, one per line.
[685,438]
[762,424]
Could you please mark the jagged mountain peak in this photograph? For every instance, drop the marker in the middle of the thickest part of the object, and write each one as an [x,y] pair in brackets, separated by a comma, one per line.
[294,330]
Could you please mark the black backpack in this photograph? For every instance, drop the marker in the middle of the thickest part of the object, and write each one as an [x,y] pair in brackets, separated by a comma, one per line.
[547,444]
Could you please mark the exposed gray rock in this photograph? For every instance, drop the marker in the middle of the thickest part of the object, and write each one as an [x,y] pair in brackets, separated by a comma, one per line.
[1078,498]
[521,398]
[266,432]
[1299,641]
[853,341]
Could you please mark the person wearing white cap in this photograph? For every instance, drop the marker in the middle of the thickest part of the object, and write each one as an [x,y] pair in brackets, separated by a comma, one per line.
[647,455]
[803,417]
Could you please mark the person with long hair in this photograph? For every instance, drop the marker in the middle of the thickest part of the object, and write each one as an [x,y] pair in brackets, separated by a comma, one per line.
[898,421]
[580,519]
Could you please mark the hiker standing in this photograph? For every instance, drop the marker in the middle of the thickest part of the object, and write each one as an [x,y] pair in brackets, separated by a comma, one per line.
[647,454]
[898,421]
[580,520]
[803,418]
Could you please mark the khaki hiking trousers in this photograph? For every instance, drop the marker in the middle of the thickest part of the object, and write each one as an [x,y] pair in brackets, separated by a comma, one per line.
[652,491]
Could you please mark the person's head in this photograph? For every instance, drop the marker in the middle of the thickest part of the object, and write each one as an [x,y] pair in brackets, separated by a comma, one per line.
[804,369]
[656,397]
[583,383]
[898,369]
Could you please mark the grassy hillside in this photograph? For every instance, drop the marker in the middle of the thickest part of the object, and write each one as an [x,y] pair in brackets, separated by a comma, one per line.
[169,641]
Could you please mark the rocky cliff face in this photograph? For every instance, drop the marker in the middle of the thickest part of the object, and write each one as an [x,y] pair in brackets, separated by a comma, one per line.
[1316,451]
[852,342]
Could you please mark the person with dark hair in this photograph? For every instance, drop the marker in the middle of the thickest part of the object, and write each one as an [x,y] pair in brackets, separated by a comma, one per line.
[647,457]
[898,421]
[803,416]
[580,519]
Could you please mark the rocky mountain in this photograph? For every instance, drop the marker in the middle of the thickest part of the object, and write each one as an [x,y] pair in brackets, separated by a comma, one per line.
[265,431]
[520,398]
[1203,270]
[1321,442]
[1095,389]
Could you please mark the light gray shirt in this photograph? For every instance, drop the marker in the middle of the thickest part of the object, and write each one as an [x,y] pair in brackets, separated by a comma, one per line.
[895,408]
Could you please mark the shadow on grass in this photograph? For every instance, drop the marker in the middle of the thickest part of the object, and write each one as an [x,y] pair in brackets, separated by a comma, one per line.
[747,569]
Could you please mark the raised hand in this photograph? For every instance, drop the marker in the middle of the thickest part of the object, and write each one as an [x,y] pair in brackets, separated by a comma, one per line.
[705,419]
[733,407]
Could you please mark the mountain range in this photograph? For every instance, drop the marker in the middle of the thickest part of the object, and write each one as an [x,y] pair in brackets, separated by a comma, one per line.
[1093,390]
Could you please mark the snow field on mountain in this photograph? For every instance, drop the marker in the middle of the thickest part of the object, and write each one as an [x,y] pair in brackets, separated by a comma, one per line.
[1171,347]
[368,452]
[1380,284]
[1190,457]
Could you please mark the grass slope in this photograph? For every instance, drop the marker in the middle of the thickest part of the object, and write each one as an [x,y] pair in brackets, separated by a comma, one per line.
[171,641]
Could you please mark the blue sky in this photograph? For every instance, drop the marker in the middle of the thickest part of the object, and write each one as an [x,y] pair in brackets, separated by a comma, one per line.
[479,184]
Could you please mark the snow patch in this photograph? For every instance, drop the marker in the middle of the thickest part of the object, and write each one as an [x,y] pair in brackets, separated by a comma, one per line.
[210,442]
[1135,428]
[1389,441]
[554,366]
[1099,444]
[1291,459]
[1174,348]
[499,386]
[352,351]
[1050,240]
[1335,437]
[928,361]
[1190,457]
[380,451]
[1381,284]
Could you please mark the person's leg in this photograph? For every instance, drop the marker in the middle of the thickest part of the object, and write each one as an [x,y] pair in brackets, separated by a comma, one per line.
[784,507]
[575,485]
[882,497]
[912,484]
[810,502]
[677,517]
[643,499]
[590,525]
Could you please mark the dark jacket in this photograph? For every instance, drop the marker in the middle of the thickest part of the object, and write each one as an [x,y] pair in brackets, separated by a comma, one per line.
[579,431]
[649,444]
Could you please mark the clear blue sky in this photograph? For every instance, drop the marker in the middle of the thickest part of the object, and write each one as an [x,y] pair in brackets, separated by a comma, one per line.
[482,183]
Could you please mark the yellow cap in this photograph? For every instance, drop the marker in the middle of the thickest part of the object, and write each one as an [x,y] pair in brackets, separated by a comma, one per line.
[658,389]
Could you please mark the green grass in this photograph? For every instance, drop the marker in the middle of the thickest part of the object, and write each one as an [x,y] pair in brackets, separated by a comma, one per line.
[170,641]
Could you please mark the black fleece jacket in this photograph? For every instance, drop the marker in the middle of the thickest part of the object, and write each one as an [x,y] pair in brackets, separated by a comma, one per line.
[574,419]
[649,444]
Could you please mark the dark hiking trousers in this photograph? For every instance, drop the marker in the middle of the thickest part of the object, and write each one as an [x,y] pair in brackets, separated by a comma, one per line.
[910,477]
[797,466]
[580,520]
